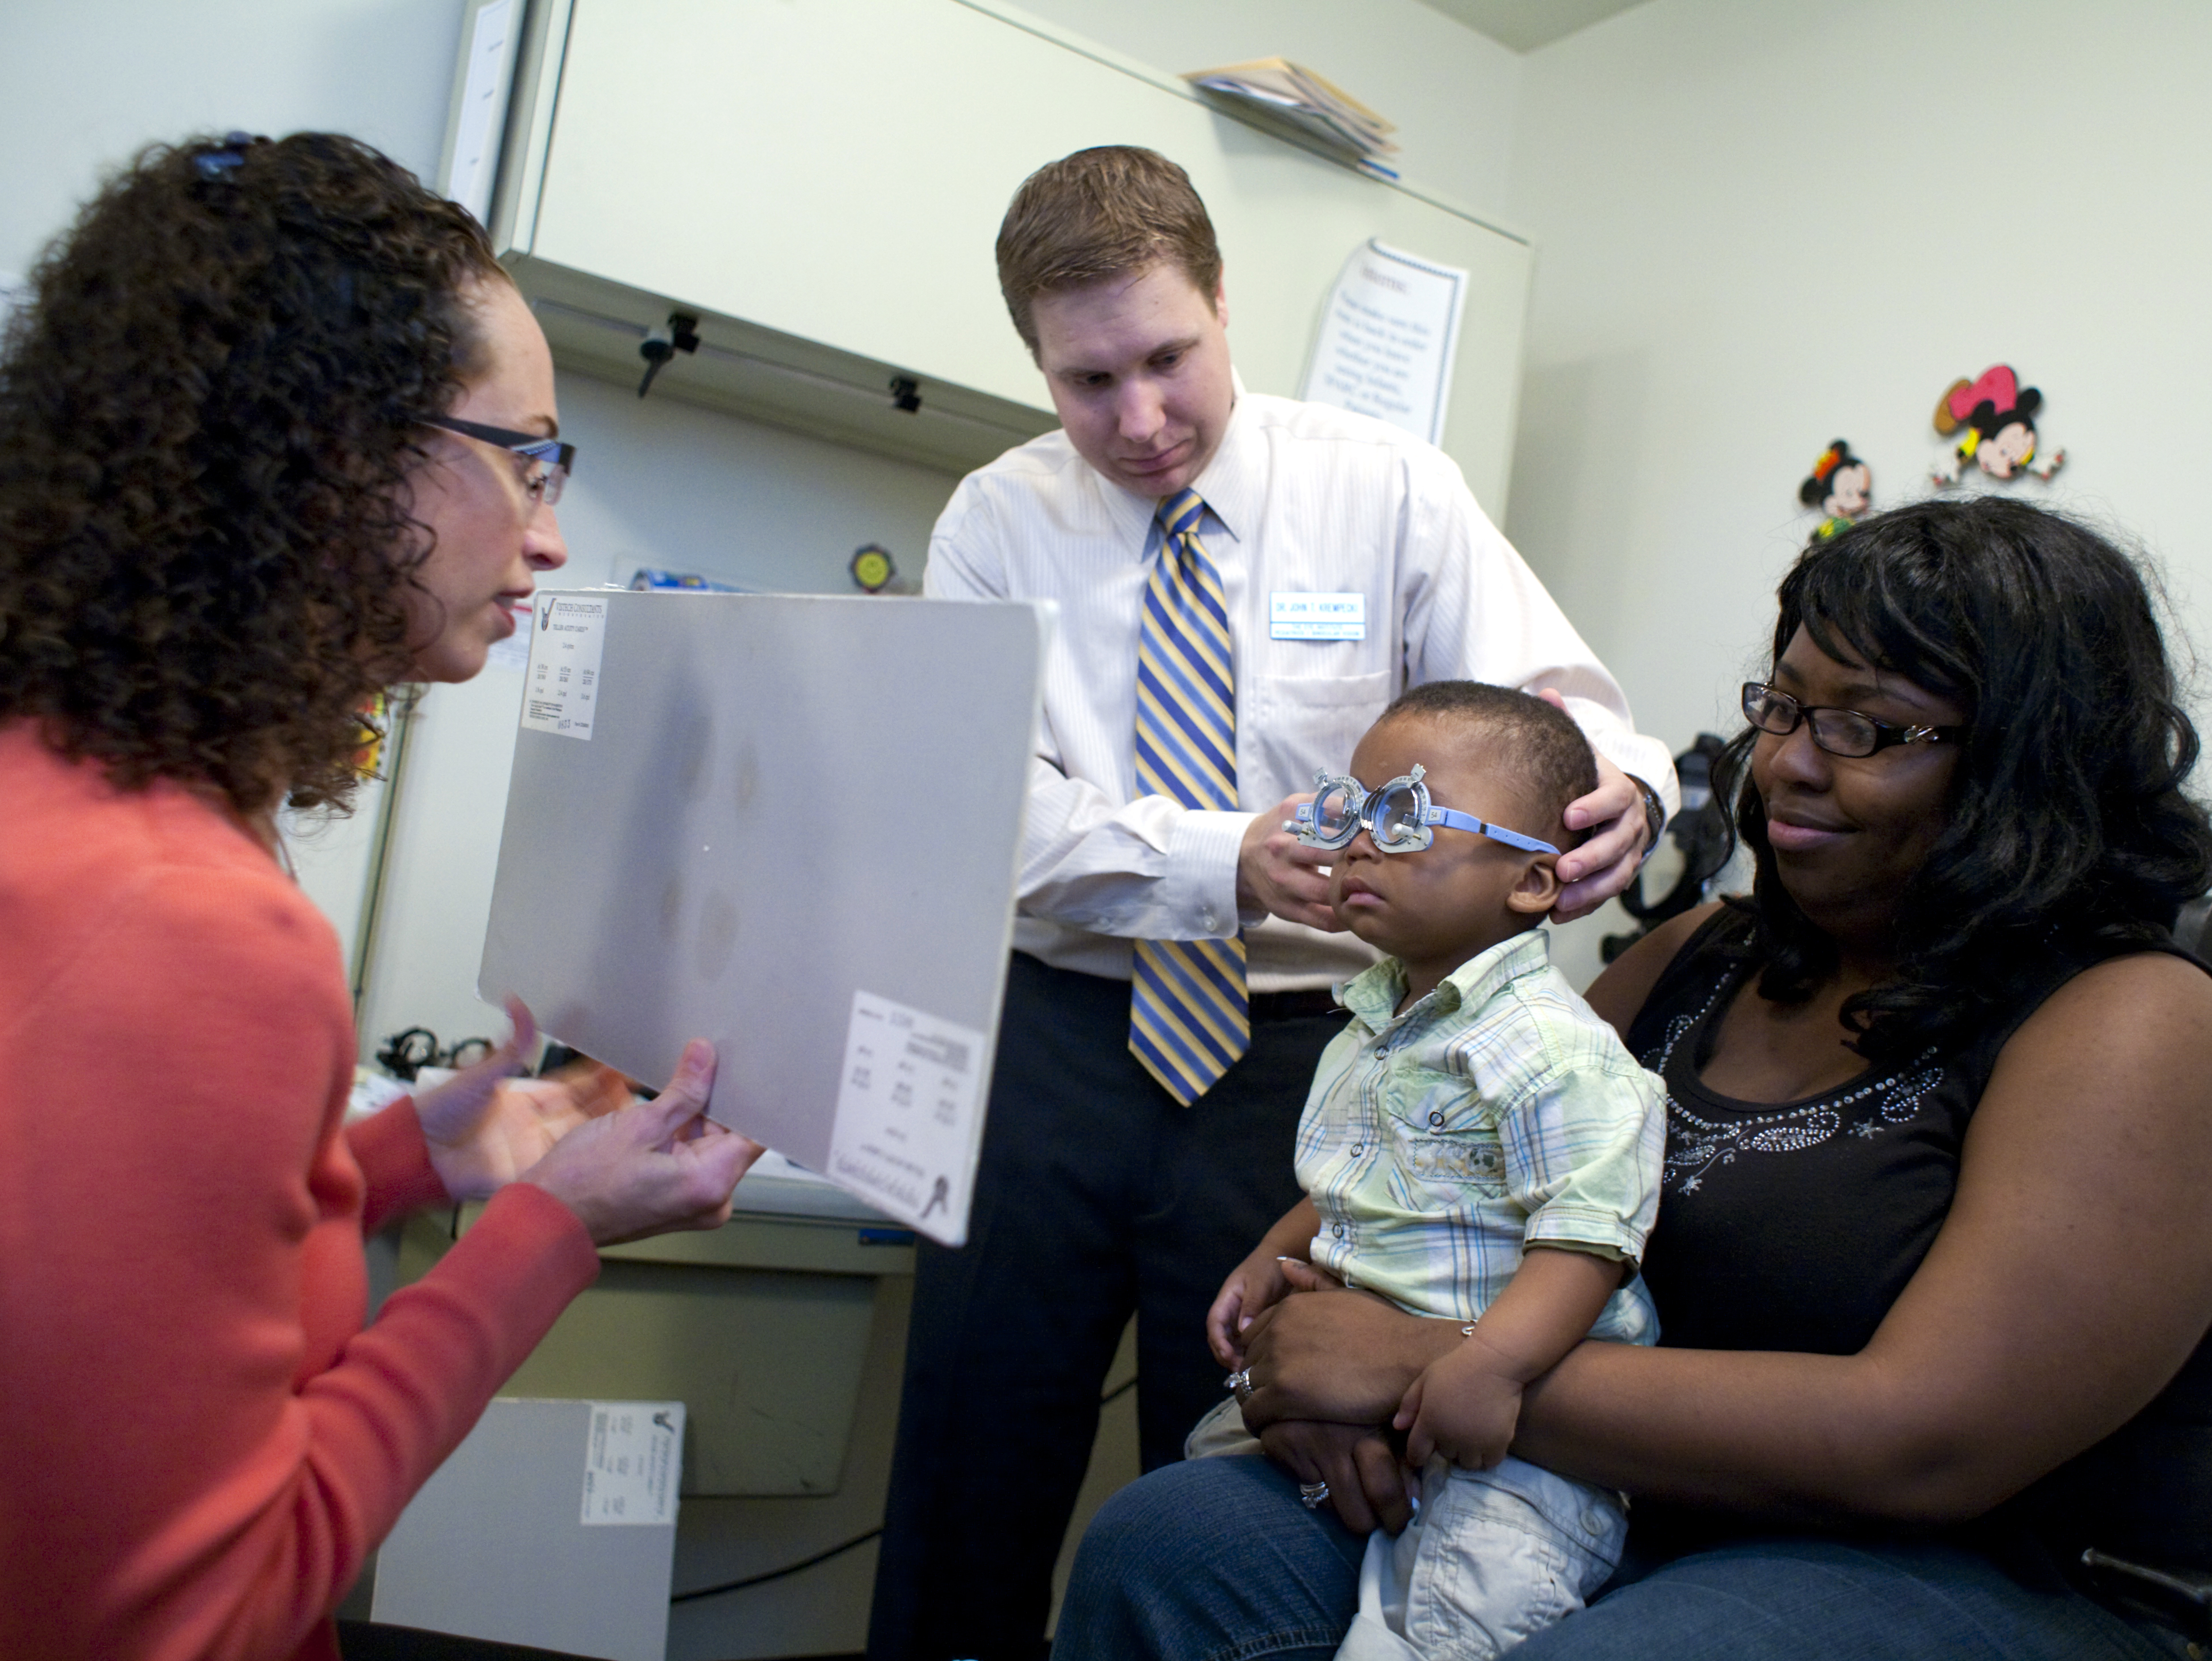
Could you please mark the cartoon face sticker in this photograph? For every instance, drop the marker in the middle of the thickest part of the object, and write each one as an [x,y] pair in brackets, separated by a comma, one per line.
[1994,419]
[1840,485]
[1849,487]
[2008,450]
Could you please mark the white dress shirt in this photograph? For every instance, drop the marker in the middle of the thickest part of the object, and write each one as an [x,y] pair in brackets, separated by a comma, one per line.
[1300,499]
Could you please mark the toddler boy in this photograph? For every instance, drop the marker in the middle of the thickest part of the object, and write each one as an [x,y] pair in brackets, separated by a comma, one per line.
[1477,1145]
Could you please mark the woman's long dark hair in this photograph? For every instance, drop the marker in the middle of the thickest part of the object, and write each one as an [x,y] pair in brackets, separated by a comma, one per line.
[208,421]
[2066,825]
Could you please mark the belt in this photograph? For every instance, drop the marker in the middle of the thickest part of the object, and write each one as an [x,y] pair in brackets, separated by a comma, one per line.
[1301,1005]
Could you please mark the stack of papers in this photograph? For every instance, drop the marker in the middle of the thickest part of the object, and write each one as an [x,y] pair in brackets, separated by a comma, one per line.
[1286,94]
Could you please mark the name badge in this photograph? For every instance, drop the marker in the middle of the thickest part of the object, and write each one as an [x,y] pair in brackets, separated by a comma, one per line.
[1317,616]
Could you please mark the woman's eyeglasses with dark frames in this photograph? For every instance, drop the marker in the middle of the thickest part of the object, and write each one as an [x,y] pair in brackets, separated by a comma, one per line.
[1838,731]
[554,460]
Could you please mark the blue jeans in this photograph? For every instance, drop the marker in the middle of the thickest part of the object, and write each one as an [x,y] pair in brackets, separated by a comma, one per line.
[1215,1559]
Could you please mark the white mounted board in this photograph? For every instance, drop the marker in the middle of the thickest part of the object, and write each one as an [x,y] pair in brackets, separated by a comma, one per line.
[792,830]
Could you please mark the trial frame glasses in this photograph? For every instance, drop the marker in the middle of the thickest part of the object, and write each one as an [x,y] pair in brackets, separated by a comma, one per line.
[1399,816]
[1842,732]
[555,459]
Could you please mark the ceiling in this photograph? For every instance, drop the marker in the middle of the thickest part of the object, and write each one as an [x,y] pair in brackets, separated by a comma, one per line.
[1525,25]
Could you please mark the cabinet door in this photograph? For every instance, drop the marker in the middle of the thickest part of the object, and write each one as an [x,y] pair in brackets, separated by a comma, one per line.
[835,171]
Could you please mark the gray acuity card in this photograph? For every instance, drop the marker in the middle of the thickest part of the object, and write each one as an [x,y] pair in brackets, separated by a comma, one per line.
[790,825]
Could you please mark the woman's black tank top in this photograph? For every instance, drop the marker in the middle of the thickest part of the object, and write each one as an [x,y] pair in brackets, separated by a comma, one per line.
[1794,1226]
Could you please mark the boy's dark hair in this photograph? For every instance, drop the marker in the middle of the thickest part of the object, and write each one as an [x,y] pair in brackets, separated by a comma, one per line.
[1551,760]
[1102,213]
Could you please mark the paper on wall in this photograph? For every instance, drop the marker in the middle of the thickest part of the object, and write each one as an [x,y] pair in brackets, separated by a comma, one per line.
[905,1135]
[1389,340]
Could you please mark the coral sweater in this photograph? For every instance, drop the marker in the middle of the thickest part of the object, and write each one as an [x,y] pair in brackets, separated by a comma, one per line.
[199,1439]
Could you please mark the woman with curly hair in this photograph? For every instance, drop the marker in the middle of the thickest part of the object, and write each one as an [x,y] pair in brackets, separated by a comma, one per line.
[1933,1263]
[276,432]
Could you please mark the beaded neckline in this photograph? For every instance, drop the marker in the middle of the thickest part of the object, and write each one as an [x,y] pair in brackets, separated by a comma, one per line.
[1697,1144]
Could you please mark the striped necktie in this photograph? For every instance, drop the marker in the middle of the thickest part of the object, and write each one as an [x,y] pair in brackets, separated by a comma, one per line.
[1189,1017]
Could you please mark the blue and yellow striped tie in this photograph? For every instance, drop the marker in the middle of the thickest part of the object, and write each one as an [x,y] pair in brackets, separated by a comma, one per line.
[1189,1017]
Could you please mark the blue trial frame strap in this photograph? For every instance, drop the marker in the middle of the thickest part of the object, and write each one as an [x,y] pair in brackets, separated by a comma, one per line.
[1452,819]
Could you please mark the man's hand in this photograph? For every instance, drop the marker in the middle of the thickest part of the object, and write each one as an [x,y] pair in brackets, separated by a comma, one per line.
[1366,1484]
[484,1127]
[1465,1407]
[1277,873]
[1620,836]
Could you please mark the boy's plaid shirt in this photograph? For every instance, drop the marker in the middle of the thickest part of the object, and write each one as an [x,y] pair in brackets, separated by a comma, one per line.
[1497,1113]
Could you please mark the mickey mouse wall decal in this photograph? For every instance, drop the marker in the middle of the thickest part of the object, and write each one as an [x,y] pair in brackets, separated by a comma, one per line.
[1840,485]
[1997,415]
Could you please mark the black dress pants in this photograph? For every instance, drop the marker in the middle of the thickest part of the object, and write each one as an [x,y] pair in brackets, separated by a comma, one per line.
[1098,1196]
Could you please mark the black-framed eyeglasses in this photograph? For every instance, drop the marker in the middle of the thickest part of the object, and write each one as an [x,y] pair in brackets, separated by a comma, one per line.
[551,460]
[1838,731]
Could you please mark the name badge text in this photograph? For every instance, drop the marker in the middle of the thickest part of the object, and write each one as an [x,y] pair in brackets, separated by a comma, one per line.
[1317,616]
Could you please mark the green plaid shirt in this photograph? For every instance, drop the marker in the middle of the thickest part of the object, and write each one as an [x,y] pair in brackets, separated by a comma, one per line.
[1496,1113]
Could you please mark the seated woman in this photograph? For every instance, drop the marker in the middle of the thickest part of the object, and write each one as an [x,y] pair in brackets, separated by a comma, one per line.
[1934,1257]
[275,431]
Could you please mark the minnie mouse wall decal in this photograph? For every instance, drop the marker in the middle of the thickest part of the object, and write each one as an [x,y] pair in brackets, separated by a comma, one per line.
[1840,485]
[1997,415]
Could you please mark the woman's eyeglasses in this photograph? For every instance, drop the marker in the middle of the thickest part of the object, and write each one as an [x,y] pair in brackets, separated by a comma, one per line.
[551,461]
[1838,731]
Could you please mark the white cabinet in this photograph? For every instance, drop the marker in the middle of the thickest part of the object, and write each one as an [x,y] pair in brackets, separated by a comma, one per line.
[822,182]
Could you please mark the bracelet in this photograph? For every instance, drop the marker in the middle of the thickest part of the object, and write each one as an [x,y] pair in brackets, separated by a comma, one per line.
[1655,814]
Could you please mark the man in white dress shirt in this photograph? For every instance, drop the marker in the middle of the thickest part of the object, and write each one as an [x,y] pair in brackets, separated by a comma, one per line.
[1113,1179]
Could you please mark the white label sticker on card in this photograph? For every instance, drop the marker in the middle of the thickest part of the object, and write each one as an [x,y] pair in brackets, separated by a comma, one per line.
[568,633]
[1317,616]
[632,1457]
[904,1138]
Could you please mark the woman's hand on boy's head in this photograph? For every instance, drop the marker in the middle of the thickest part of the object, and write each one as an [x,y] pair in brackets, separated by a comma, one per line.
[1277,874]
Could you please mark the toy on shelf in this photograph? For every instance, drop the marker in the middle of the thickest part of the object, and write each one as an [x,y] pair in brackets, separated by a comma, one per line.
[1997,415]
[1840,485]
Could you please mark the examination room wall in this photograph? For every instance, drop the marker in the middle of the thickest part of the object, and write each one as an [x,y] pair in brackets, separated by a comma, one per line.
[85,83]
[1762,226]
